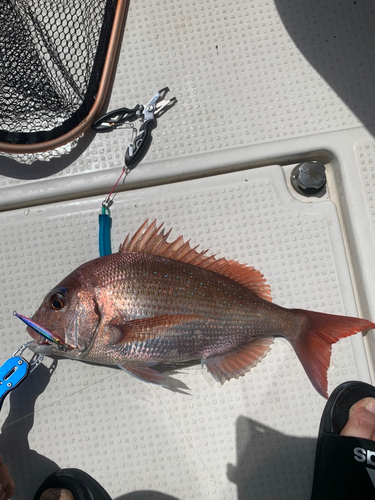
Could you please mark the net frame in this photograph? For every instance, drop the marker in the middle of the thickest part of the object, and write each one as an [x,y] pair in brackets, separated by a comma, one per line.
[101,95]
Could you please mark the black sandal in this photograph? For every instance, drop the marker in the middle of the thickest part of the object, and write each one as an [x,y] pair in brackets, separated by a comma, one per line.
[344,466]
[82,486]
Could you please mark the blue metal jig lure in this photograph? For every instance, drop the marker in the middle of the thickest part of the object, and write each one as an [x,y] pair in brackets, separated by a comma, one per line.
[47,334]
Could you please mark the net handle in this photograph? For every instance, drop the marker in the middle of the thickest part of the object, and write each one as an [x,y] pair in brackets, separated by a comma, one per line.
[105,83]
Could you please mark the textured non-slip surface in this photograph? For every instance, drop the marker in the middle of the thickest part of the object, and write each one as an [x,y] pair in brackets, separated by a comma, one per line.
[365,155]
[244,73]
[250,438]
[257,82]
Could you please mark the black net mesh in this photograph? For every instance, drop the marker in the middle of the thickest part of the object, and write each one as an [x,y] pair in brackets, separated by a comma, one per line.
[52,54]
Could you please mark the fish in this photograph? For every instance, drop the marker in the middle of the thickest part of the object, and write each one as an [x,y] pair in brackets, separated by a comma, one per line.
[155,304]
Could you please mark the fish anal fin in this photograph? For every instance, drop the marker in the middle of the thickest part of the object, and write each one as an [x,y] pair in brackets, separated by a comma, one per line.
[239,361]
[152,239]
[140,330]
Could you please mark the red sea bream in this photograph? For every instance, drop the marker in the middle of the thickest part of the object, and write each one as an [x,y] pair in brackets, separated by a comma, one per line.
[156,303]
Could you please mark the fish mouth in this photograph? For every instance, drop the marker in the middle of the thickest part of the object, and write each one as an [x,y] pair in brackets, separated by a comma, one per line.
[38,338]
[41,335]
[39,341]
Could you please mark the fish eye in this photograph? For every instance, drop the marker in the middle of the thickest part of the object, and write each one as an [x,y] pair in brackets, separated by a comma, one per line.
[57,301]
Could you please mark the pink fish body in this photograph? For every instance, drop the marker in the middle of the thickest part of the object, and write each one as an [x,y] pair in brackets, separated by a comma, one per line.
[156,303]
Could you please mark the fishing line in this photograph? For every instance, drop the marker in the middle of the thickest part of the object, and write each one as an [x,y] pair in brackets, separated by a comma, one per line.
[190,445]
[125,171]
[38,410]
[105,220]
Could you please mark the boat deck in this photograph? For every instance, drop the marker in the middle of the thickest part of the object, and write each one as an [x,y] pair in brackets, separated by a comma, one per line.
[261,85]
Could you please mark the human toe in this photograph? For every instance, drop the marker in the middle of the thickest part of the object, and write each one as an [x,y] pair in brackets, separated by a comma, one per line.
[57,494]
[361,420]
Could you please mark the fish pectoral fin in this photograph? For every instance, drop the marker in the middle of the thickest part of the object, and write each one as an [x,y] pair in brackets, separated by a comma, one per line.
[139,330]
[239,361]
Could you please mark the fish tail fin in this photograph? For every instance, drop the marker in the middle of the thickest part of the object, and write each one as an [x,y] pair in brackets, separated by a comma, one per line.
[313,344]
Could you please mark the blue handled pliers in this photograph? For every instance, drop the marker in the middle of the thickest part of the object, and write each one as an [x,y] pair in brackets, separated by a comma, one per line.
[15,370]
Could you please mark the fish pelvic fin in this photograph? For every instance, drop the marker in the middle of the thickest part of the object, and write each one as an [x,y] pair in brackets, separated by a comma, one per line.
[239,361]
[152,239]
[143,372]
[147,372]
[313,344]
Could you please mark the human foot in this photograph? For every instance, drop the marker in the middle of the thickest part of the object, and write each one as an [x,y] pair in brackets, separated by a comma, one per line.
[361,422]
[57,494]
[345,454]
[71,484]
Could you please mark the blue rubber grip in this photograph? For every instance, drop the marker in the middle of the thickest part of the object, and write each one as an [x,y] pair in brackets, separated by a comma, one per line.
[105,224]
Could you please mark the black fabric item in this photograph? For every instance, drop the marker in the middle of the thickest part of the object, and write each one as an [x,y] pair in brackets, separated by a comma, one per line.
[82,486]
[344,466]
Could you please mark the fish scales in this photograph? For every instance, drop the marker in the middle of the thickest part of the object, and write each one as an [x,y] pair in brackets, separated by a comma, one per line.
[144,286]
[156,303]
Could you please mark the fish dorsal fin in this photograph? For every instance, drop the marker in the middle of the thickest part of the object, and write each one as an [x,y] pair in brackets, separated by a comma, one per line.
[151,239]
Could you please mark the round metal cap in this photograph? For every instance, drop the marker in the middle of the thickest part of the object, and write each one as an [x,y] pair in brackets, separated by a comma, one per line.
[309,178]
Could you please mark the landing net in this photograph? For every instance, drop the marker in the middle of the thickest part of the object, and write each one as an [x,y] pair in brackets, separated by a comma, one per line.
[52,57]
